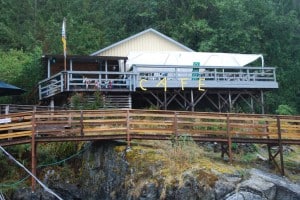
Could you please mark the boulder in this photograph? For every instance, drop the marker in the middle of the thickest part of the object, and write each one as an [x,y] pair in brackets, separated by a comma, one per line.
[262,185]
[225,185]
[243,195]
[285,189]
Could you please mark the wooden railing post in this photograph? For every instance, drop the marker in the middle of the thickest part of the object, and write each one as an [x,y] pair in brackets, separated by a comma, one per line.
[229,138]
[175,125]
[81,123]
[128,128]
[69,75]
[33,152]
[280,145]
[7,109]
[62,82]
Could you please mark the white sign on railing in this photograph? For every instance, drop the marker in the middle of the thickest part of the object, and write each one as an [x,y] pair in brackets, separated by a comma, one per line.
[5,120]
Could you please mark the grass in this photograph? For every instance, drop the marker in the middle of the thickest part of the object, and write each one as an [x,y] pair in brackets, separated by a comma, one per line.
[192,156]
[162,163]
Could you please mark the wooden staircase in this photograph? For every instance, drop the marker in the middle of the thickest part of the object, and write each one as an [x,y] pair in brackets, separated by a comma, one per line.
[114,100]
[117,100]
[111,100]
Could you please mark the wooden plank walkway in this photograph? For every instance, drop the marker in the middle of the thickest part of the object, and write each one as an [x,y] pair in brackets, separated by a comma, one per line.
[153,124]
[129,124]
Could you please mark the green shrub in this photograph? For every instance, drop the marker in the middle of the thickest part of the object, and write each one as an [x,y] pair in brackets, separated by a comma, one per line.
[77,101]
[80,102]
[285,110]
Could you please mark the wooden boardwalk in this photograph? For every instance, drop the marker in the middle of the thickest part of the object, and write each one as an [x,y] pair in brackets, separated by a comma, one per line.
[147,124]
[128,124]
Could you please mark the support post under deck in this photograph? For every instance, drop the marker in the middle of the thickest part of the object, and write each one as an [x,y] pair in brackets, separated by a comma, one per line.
[230,102]
[280,145]
[192,101]
[226,147]
[219,103]
[262,102]
[128,128]
[229,138]
[165,100]
[33,154]
[252,104]
[52,104]
[279,150]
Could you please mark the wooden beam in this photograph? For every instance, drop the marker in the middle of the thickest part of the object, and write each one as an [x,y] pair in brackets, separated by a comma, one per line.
[262,102]
[229,138]
[33,154]
[128,128]
[280,145]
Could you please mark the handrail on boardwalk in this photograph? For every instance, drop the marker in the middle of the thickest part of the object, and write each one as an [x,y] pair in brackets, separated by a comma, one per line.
[148,124]
[129,124]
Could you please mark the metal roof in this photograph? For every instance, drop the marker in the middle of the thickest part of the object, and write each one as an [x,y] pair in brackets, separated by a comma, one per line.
[83,57]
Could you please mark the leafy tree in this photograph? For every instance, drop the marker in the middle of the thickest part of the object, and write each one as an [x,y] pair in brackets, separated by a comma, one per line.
[269,27]
[297,101]
[31,74]
[23,70]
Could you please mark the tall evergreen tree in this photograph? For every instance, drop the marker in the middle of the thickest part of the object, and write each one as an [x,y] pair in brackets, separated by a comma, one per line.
[270,27]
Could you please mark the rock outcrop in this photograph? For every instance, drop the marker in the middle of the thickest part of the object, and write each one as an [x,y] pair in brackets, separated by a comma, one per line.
[106,174]
[262,185]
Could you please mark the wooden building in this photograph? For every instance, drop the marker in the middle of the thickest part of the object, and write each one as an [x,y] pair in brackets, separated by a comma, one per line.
[149,40]
[181,80]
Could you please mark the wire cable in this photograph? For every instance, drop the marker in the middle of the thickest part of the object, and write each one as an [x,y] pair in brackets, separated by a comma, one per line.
[22,166]
[46,165]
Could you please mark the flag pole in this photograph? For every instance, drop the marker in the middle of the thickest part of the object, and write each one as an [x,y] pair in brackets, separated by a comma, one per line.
[64,40]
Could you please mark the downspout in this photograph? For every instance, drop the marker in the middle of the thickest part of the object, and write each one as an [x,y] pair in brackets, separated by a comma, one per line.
[48,68]
[262,61]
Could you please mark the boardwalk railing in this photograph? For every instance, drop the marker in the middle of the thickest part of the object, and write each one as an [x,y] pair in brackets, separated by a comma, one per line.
[15,108]
[145,124]
[228,128]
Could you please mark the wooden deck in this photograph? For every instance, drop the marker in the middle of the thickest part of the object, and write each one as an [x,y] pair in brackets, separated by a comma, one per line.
[128,125]
[160,77]
[124,123]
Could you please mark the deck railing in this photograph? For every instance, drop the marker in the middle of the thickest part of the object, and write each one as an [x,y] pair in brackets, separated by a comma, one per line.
[86,81]
[209,73]
[210,77]
[143,76]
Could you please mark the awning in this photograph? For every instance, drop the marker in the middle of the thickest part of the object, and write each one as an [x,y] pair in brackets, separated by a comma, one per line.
[9,90]
[190,58]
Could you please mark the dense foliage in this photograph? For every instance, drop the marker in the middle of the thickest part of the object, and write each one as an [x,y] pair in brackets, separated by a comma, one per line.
[30,28]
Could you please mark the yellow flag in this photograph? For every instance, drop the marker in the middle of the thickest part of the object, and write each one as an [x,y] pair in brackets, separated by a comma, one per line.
[63,38]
